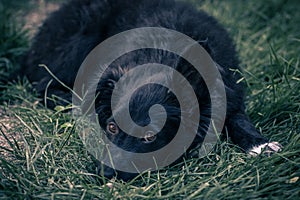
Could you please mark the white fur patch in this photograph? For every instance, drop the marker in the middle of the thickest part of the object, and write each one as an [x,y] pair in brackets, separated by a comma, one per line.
[266,148]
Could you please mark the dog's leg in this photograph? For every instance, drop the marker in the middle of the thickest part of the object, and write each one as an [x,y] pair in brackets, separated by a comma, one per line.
[243,133]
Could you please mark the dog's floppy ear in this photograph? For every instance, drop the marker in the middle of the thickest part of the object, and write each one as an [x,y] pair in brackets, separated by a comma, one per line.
[205,44]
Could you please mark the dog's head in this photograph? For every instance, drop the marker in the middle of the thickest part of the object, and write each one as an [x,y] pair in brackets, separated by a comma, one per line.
[140,102]
[139,105]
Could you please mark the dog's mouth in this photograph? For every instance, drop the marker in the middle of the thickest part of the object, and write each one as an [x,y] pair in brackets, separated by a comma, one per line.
[110,173]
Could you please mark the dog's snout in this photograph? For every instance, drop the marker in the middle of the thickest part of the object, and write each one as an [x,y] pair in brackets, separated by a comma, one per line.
[108,172]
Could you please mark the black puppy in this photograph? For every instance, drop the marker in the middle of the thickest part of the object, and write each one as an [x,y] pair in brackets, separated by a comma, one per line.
[69,34]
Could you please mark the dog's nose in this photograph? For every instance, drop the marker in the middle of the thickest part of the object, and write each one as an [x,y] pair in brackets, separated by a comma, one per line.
[109,172]
[105,171]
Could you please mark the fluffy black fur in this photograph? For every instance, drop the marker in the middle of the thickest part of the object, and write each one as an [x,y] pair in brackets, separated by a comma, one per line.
[69,34]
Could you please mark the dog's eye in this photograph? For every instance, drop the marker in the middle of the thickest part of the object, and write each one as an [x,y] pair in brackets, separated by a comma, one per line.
[150,136]
[110,83]
[112,128]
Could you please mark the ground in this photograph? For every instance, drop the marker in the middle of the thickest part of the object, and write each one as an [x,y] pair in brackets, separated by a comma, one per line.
[42,157]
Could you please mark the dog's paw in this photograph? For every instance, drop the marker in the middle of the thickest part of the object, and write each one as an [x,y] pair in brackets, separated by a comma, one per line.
[266,148]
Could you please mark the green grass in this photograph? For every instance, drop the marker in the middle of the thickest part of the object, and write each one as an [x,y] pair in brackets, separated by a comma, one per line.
[47,160]
[12,43]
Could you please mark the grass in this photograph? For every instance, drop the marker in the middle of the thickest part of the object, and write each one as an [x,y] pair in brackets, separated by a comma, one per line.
[43,157]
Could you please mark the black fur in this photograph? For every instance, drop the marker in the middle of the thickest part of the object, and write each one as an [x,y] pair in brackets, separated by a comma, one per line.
[69,34]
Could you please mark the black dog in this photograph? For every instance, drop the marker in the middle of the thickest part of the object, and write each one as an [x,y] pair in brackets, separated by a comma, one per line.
[69,34]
